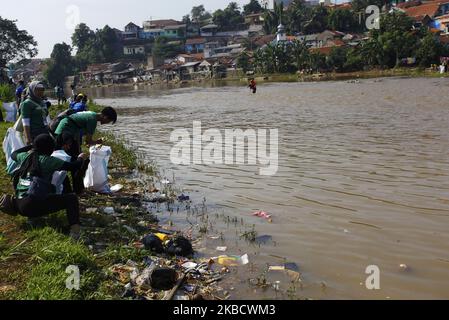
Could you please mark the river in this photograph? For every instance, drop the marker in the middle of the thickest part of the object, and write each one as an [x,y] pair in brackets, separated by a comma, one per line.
[362,180]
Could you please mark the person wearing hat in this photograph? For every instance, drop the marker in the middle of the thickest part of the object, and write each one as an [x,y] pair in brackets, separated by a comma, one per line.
[36,161]
[34,113]
[81,105]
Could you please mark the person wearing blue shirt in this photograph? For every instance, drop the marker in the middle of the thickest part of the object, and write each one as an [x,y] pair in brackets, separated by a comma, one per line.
[19,92]
[78,99]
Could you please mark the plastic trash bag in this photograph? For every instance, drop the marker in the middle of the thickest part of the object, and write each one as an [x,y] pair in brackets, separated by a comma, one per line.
[59,176]
[96,177]
[11,111]
[12,142]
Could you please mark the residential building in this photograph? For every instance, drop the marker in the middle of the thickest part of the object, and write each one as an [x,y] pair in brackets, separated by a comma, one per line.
[176,31]
[209,30]
[131,31]
[195,45]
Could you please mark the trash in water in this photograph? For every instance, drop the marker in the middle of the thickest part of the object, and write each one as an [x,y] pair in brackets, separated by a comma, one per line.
[91,210]
[117,188]
[189,265]
[153,190]
[222,249]
[162,236]
[263,239]
[244,260]
[262,214]
[232,261]
[291,266]
[228,261]
[183,198]
[214,237]
[165,181]
[403,267]
[179,246]
[109,210]
[276,268]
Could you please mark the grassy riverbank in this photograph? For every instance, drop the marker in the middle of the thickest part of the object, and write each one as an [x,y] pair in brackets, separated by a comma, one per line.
[33,262]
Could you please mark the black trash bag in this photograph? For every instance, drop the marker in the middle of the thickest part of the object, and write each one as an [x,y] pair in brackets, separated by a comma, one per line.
[8,205]
[153,243]
[179,246]
[163,278]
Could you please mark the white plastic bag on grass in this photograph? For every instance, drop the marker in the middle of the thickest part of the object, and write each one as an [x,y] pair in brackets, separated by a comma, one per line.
[96,177]
[11,111]
[59,176]
[12,142]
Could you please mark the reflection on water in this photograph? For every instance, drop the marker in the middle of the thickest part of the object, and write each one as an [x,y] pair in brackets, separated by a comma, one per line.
[363,174]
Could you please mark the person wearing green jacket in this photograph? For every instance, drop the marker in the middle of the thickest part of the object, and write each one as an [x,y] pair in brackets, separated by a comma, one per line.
[34,113]
[73,125]
[36,161]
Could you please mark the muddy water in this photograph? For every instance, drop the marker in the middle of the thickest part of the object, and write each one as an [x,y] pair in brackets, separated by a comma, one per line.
[363,177]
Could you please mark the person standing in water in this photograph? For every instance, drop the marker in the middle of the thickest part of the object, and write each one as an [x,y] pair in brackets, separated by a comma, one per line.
[253,85]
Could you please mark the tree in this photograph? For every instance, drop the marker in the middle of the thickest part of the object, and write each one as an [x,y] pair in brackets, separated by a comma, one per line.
[82,36]
[244,62]
[396,38]
[318,20]
[342,20]
[15,44]
[60,65]
[298,13]
[186,19]
[228,18]
[272,18]
[252,7]
[337,58]
[199,14]
[429,51]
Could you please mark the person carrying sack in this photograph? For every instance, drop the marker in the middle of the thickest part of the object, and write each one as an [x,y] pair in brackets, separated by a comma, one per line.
[32,182]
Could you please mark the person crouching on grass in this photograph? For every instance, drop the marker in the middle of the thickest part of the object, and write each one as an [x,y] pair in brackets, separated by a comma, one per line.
[85,122]
[36,162]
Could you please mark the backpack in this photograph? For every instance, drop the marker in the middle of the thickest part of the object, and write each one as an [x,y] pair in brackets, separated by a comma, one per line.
[153,243]
[65,114]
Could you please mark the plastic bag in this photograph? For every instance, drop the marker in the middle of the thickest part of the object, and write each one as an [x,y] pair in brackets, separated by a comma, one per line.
[11,111]
[12,142]
[59,176]
[96,177]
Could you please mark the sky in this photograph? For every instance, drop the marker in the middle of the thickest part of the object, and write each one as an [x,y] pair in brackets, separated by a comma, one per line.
[53,21]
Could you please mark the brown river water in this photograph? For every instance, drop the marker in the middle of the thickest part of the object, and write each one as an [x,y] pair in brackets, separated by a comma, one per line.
[363,179]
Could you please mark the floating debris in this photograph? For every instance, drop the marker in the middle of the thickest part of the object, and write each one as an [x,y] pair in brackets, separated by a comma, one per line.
[222,249]
[262,214]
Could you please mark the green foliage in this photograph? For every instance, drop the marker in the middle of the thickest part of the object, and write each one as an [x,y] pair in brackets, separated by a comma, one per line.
[252,7]
[244,63]
[15,43]
[429,51]
[337,58]
[164,48]
[342,20]
[7,93]
[101,46]
[229,18]
[199,14]
[61,64]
